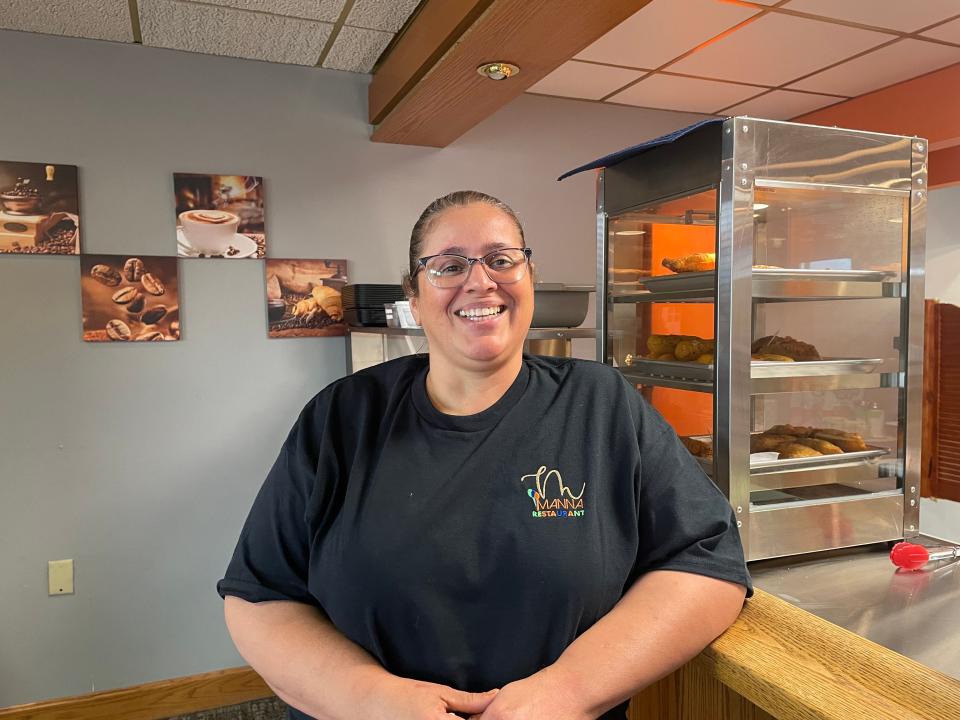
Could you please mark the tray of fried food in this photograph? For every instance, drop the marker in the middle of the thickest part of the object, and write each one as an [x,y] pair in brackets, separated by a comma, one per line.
[813,446]
[679,348]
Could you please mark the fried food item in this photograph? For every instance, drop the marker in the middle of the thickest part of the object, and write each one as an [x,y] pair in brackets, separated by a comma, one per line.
[785,345]
[824,447]
[662,344]
[698,448]
[772,358]
[669,357]
[794,430]
[696,262]
[693,348]
[846,441]
[765,442]
[705,359]
[796,450]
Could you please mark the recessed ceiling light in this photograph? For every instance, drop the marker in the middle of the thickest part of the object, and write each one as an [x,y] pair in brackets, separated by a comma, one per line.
[760,206]
[630,232]
[498,70]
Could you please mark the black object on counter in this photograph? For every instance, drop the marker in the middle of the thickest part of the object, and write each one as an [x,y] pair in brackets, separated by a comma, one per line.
[363,303]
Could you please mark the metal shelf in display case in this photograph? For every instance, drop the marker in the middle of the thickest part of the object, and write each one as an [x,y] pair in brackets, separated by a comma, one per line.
[768,283]
[766,377]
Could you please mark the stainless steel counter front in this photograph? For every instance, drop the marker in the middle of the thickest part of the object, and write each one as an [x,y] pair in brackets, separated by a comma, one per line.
[916,614]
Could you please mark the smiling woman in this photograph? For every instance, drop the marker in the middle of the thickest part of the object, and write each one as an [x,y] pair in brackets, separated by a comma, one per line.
[474,298]
[478,532]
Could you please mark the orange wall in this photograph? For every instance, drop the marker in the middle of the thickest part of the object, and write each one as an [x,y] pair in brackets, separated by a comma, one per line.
[690,413]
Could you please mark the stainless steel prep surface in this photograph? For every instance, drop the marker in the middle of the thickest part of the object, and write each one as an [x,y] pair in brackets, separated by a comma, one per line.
[916,614]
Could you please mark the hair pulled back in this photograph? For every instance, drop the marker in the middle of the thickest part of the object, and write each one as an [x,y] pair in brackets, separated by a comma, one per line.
[460,198]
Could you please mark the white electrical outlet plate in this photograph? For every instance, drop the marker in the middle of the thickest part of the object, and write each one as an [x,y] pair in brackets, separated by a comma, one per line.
[60,577]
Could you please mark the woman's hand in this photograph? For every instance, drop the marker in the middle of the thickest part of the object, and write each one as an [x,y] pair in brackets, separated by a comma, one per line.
[543,695]
[402,699]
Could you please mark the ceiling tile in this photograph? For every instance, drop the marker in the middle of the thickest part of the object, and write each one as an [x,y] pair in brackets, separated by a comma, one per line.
[96,19]
[663,30]
[323,10]
[897,15]
[234,33]
[387,15]
[356,49]
[948,31]
[781,105]
[585,80]
[902,60]
[776,49]
[670,92]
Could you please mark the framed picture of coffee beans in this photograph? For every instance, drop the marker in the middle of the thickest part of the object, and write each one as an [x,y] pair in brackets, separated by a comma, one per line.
[219,216]
[129,298]
[39,209]
[303,298]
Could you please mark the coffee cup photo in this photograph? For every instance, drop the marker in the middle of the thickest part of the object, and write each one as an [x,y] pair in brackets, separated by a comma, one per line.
[219,216]
[209,231]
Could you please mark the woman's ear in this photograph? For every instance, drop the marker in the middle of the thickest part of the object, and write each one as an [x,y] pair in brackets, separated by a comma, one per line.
[415,308]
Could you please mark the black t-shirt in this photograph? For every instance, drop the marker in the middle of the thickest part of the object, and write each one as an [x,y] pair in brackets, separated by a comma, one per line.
[471,551]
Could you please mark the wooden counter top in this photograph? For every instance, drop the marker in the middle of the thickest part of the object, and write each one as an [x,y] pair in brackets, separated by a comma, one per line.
[783,662]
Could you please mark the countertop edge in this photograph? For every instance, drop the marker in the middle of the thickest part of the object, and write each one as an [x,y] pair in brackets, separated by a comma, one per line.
[795,665]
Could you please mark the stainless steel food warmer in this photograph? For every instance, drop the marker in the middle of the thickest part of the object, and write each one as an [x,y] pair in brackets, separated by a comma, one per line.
[818,237]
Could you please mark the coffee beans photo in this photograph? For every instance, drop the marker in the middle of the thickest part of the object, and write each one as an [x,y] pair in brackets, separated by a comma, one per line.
[137,285]
[118,330]
[106,275]
[133,269]
[152,284]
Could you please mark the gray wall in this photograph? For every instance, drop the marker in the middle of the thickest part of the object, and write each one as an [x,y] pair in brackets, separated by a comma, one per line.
[140,461]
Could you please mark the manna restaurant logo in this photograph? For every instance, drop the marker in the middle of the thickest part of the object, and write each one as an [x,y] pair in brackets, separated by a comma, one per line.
[553,499]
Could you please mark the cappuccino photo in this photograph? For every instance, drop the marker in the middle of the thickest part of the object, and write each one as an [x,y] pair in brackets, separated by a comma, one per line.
[219,216]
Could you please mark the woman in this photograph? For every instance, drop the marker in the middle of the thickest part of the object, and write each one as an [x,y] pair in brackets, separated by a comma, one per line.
[479,533]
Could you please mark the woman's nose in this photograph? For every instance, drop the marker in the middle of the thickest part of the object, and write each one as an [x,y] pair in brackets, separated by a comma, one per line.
[478,278]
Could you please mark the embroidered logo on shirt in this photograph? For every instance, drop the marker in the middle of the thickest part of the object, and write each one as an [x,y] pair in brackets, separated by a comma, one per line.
[553,499]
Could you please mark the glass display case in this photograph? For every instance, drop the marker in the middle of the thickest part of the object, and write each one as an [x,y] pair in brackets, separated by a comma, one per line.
[765,283]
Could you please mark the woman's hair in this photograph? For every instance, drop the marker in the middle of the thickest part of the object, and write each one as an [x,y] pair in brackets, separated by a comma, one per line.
[460,198]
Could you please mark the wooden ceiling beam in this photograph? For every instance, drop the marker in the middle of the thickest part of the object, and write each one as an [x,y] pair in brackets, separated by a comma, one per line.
[431,93]
[435,27]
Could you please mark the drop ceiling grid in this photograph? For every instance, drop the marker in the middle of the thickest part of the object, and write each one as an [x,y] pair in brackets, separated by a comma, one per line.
[896,57]
[902,16]
[689,23]
[216,29]
[299,32]
[948,32]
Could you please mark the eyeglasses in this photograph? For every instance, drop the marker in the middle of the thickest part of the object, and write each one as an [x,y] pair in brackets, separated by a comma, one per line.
[503,266]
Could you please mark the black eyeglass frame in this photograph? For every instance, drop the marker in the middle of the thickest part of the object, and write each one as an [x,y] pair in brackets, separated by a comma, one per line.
[422,263]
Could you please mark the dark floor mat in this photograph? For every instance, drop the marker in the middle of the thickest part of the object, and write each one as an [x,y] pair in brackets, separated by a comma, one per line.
[266,709]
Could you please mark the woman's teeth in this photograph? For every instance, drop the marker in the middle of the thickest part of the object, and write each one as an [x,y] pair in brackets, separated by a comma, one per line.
[480,313]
